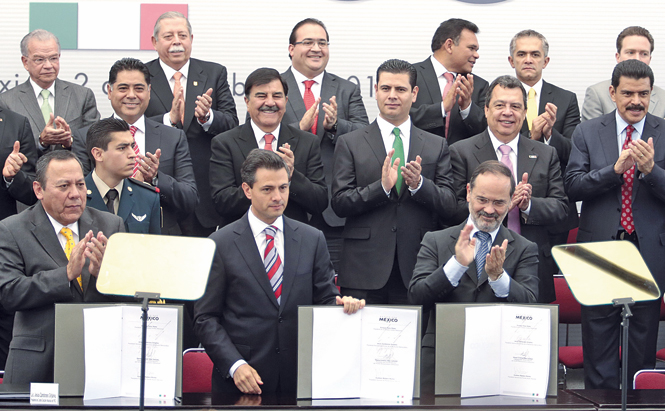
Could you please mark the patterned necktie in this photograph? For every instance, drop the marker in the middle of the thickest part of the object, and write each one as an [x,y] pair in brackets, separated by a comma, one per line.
[111,195]
[176,89]
[483,249]
[46,107]
[273,263]
[531,108]
[308,98]
[627,189]
[269,139]
[137,151]
[69,246]
[398,145]
[450,80]
[514,214]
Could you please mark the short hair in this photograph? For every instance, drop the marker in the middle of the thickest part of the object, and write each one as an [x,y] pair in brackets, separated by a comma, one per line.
[128,64]
[529,33]
[263,76]
[39,34]
[634,31]
[99,134]
[170,15]
[259,158]
[493,167]
[634,69]
[309,20]
[396,66]
[505,82]
[45,160]
[451,29]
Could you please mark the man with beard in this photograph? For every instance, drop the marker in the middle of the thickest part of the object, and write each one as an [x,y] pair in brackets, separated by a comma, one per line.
[477,261]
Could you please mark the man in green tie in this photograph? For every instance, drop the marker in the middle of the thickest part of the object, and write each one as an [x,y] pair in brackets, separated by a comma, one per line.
[392,182]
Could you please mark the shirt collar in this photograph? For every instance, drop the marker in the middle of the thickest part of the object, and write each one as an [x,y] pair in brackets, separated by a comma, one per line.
[38,90]
[622,124]
[538,87]
[387,128]
[301,77]
[258,133]
[139,124]
[496,143]
[439,69]
[57,226]
[257,226]
[102,187]
[475,230]
[168,71]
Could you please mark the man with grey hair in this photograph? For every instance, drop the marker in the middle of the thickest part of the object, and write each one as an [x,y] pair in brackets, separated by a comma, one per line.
[192,95]
[54,107]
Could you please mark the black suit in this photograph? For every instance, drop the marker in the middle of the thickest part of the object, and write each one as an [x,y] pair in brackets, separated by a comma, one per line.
[549,204]
[380,228]
[202,76]
[307,192]
[238,316]
[426,111]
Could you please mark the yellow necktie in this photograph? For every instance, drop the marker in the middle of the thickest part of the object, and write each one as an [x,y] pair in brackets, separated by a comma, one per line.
[531,108]
[67,232]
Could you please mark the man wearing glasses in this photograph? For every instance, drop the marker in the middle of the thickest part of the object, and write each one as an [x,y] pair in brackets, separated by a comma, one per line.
[324,104]
[54,107]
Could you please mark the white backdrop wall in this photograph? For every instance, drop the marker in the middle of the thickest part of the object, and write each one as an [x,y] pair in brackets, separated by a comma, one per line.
[245,35]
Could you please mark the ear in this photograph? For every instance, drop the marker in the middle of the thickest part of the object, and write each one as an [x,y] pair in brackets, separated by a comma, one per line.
[510,60]
[415,94]
[108,91]
[468,192]
[37,188]
[547,61]
[613,93]
[24,60]
[154,42]
[246,101]
[616,56]
[247,190]
[97,154]
[448,45]
[291,50]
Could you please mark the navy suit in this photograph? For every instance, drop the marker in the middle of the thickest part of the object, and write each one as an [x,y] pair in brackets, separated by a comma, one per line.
[590,178]
[139,205]
[238,316]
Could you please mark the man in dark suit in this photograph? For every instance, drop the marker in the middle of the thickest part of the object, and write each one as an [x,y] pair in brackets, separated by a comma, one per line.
[54,107]
[110,188]
[477,261]
[266,98]
[540,200]
[326,105]
[388,208]
[616,170]
[49,253]
[451,99]
[163,154]
[247,319]
[201,104]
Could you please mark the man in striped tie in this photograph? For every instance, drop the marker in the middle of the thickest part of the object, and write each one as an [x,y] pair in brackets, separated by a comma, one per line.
[265,266]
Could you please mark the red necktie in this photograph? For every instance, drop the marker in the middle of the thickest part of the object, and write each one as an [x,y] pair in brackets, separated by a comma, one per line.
[137,151]
[627,189]
[309,100]
[449,77]
[269,139]
[273,263]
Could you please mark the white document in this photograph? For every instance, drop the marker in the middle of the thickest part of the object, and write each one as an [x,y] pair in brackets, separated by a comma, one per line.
[506,351]
[371,354]
[113,352]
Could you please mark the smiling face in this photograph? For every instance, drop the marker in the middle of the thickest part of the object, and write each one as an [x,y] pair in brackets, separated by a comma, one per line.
[529,59]
[309,60]
[489,201]
[394,96]
[63,195]
[464,55]
[269,194]
[505,113]
[173,42]
[632,98]
[266,105]
[129,95]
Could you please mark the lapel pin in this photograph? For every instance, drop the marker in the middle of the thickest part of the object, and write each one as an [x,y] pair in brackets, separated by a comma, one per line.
[129,189]
[89,192]
[195,83]
[533,156]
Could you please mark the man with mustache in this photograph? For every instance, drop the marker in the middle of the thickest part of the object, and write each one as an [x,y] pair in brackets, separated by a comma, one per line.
[266,97]
[616,170]
[477,261]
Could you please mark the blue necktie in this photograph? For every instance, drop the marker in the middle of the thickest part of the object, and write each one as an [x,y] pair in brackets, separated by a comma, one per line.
[483,250]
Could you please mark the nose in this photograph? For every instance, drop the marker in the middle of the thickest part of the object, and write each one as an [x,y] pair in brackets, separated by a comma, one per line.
[316,46]
[74,192]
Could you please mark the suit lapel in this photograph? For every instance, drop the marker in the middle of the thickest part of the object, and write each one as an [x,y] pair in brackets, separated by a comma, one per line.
[650,130]
[153,138]
[292,246]
[160,85]
[526,159]
[62,98]
[85,225]
[126,201]
[375,141]
[545,97]
[247,140]
[29,101]
[95,199]
[196,86]
[295,104]
[607,139]
[430,80]
[328,90]
[286,137]
[484,149]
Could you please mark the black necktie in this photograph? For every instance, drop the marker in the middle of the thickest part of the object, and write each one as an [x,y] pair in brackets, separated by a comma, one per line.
[111,195]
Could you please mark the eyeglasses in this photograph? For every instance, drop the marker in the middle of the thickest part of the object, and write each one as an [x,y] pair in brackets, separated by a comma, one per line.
[41,60]
[309,43]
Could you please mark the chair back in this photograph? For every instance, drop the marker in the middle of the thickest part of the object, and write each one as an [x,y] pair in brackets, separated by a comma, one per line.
[196,371]
[570,311]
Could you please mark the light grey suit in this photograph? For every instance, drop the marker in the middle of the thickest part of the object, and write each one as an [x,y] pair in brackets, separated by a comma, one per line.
[33,276]
[597,101]
[76,104]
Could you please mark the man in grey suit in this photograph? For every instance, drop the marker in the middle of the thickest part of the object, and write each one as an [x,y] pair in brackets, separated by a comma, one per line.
[324,104]
[49,253]
[54,107]
[452,268]
[633,42]
[539,200]
[200,104]
[616,170]
[392,182]
[451,99]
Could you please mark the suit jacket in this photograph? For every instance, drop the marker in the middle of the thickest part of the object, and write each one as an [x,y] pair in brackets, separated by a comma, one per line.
[597,101]
[76,104]
[351,115]
[14,127]
[377,224]
[33,277]
[238,316]
[175,179]
[590,178]
[549,205]
[307,192]
[139,205]
[202,76]
[426,111]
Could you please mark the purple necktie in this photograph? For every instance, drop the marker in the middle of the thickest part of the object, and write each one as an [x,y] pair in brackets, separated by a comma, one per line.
[514,214]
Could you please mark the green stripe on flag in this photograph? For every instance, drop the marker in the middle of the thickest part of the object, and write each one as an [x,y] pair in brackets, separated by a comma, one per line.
[60,19]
